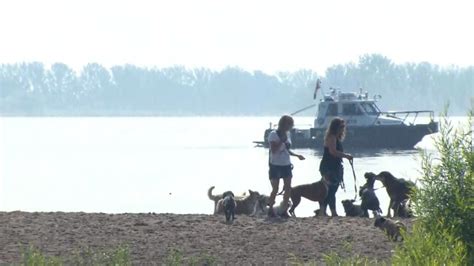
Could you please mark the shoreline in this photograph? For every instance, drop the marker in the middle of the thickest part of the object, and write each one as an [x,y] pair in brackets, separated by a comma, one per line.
[151,237]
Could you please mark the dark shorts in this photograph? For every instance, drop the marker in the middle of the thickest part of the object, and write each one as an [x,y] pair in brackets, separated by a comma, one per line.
[280,171]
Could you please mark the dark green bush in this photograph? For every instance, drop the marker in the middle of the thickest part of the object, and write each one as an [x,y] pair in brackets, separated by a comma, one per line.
[422,247]
[444,203]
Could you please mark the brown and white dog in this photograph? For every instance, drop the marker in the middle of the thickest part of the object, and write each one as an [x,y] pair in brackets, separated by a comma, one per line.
[391,228]
[404,209]
[244,205]
[315,192]
[261,208]
[398,189]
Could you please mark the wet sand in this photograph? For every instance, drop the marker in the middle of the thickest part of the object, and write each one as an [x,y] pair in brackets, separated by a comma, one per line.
[151,237]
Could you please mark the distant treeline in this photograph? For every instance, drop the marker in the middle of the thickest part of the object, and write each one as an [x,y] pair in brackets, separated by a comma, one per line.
[34,89]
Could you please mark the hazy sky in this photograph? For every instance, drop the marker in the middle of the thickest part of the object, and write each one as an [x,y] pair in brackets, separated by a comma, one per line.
[267,35]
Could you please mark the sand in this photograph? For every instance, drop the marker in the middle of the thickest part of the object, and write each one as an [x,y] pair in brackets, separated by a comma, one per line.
[150,237]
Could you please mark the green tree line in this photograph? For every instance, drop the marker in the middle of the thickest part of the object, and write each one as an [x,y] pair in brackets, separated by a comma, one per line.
[36,89]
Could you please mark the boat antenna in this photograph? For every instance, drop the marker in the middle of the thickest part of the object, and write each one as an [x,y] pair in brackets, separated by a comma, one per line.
[303,109]
[316,89]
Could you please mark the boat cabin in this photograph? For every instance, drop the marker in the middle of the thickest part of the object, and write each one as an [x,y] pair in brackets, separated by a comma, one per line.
[355,109]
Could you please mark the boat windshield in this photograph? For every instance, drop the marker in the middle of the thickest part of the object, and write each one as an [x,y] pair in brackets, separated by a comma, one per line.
[370,108]
[351,109]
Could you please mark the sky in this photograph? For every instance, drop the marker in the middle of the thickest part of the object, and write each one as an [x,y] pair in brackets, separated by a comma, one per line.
[255,35]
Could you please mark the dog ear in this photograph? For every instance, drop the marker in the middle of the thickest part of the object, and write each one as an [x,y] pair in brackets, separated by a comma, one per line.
[369,175]
[379,220]
[385,174]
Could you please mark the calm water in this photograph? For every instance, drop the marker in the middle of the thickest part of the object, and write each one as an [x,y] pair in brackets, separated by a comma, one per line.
[155,164]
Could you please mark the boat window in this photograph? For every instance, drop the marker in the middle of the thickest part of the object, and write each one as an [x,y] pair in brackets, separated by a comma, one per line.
[369,108]
[350,109]
[332,110]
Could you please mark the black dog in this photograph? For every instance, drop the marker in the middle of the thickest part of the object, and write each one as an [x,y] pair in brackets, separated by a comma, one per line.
[229,205]
[352,209]
[367,194]
[398,189]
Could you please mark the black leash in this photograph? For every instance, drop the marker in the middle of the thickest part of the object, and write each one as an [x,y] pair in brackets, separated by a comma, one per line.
[355,179]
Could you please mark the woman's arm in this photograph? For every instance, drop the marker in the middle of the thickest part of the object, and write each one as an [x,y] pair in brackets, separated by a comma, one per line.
[275,146]
[331,144]
[301,157]
[276,141]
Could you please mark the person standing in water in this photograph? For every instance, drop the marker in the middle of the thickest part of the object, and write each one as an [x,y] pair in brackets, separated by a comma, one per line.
[331,165]
[279,161]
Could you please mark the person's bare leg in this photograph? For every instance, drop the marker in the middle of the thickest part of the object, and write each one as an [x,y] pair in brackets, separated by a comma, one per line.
[287,191]
[275,184]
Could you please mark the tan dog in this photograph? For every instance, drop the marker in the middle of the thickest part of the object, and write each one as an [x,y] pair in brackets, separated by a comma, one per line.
[245,205]
[391,228]
[315,192]
[261,206]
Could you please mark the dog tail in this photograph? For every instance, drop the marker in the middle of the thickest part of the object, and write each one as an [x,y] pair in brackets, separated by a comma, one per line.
[209,194]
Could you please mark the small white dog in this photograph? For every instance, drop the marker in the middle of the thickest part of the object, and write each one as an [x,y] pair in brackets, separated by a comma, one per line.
[261,207]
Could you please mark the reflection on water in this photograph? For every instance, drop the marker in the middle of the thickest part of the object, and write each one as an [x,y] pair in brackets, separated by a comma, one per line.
[155,164]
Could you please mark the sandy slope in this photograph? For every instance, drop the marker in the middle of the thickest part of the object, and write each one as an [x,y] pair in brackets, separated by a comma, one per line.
[150,237]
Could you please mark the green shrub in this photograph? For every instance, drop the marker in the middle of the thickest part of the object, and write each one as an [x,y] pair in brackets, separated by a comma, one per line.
[444,203]
[118,256]
[336,259]
[176,258]
[422,247]
[333,259]
[33,257]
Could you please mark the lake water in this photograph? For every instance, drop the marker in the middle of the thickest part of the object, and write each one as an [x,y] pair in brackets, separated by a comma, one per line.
[163,164]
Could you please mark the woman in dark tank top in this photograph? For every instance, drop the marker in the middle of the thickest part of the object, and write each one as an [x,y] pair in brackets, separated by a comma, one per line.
[331,164]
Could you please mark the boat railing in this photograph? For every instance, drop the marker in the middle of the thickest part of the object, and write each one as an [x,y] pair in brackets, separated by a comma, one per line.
[403,119]
[298,126]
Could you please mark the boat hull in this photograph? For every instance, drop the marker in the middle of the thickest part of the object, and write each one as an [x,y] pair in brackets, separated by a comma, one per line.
[403,137]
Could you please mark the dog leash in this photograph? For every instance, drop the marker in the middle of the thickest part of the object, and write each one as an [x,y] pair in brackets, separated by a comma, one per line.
[355,179]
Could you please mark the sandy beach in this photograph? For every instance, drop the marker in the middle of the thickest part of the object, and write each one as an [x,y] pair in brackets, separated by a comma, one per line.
[151,237]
